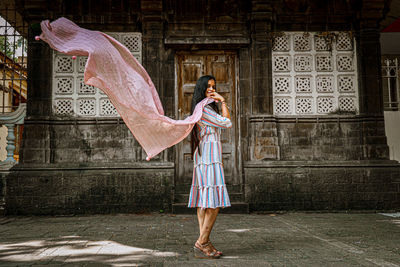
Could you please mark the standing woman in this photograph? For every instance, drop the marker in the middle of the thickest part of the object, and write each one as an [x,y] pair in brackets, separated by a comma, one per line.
[208,191]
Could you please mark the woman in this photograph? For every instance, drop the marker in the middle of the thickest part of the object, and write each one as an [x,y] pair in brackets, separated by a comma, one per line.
[208,192]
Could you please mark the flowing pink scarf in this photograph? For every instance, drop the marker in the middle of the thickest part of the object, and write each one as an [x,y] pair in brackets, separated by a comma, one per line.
[113,69]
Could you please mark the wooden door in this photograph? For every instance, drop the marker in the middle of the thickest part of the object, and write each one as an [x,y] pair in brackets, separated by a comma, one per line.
[189,67]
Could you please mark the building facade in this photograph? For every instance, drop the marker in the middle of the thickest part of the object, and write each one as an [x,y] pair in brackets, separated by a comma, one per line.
[302,79]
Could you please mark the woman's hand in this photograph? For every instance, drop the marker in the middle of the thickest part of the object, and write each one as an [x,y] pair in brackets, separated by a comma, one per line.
[217,97]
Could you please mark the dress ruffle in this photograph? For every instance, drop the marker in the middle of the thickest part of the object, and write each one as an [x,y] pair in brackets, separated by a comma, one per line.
[208,188]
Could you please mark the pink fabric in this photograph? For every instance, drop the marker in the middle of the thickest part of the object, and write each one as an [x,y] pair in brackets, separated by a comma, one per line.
[113,69]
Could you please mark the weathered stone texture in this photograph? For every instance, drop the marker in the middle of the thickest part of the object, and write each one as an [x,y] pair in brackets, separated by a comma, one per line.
[107,140]
[328,138]
[83,191]
[324,187]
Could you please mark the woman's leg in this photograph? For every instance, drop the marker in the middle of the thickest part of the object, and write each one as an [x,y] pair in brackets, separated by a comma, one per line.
[200,217]
[210,215]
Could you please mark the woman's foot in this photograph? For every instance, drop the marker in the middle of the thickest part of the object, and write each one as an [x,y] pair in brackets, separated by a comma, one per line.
[214,249]
[205,251]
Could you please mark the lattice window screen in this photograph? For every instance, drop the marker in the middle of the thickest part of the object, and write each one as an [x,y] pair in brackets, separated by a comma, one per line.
[71,96]
[313,74]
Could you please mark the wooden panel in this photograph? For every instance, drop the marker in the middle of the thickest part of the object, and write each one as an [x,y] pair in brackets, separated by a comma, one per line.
[190,66]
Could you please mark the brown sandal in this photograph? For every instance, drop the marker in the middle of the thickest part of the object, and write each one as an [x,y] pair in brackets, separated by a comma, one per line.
[205,251]
[214,249]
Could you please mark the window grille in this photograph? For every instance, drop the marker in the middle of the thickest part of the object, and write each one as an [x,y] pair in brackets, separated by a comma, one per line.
[314,74]
[390,82]
[13,62]
[13,82]
[71,96]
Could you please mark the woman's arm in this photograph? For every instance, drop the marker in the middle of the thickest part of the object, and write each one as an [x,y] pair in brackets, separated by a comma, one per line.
[212,118]
[217,97]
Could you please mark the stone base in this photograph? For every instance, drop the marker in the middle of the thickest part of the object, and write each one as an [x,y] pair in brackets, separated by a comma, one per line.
[269,186]
[351,185]
[52,190]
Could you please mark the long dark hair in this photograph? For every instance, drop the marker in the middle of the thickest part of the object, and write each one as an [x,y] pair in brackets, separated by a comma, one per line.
[198,96]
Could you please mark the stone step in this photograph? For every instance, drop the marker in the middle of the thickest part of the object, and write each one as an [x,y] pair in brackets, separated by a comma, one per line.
[233,197]
[236,208]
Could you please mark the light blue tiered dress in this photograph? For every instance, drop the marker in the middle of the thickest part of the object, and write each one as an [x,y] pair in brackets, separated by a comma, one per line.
[208,188]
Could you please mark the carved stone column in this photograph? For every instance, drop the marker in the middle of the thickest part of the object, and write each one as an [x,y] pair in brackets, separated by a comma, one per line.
[152,40]
[369,58]
[36,137]
[370,81]
[263,144]
[261,46]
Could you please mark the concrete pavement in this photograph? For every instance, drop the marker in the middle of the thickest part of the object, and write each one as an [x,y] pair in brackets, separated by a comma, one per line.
[290,239]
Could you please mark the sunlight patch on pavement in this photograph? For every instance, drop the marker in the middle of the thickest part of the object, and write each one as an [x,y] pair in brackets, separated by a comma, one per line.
[394,214]
[67,250]
[238,230]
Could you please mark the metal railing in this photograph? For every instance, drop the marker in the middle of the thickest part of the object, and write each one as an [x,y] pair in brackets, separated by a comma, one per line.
[390,82]
[13,83]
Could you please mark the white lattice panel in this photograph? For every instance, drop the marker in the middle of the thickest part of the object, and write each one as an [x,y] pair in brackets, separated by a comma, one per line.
[132,42]
[325,104]
[347,103]
[321,43]
[106,108]
[323,62]
[283,105]
[81,64]
[345,62]
[280,63]
[303,63]
[302,42]
[71,96]
[314,73]
[344,42]
[281,43]
[64,106]
[346,83]
[84,89]
[86,106]
[64,64]
[324,83]
[304,105]
[281,84]
[303,84]
[64,85]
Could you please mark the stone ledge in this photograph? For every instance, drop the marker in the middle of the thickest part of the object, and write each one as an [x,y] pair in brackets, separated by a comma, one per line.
[321,164]
[93,166]
[51,120]
[314,118]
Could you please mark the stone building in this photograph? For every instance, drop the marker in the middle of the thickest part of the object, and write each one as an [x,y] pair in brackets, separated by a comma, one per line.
[302,79]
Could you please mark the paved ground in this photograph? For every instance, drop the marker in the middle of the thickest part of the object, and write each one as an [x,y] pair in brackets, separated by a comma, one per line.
[291,239]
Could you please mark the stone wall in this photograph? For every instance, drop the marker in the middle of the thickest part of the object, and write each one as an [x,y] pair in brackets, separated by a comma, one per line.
[83,141]
[76,189]
[317,138]
[329,186]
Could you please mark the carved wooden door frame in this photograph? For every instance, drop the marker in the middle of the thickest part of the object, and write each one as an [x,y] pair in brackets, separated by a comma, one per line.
[237,165]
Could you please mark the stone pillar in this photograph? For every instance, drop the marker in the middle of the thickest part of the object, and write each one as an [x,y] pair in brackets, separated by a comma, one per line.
[158,62]
[152,30]
[39,74]
[263,143]
[261,47]
[36,137]
[374,144]
[369,66]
